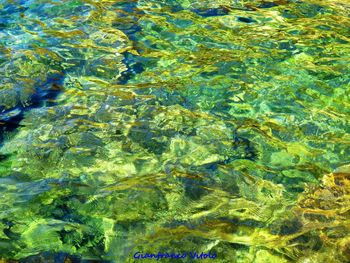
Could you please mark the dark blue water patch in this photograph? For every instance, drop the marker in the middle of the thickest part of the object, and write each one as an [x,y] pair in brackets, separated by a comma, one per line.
[247,20]
[212,166]
[3,23]
[45,94]
[129,7]
[176,8]
[48,96]
[51,257]
[296,32]
[131,12]
[130,28]
[64,257]
[220,11]
[60,257]
[250,151]
[127,21]
[132,31]
[10,9]
[287,45]
[133,65]
[9,20]
[10,124]
[267,5]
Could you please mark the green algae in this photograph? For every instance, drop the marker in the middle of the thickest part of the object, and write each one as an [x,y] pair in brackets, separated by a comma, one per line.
[177,129]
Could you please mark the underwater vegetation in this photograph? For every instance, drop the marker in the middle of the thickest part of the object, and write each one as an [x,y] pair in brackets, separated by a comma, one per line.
[175,126]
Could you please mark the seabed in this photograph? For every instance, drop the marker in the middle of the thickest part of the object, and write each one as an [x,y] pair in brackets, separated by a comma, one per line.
[174,131]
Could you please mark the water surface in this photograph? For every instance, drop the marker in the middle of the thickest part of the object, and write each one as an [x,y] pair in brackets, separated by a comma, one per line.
[174,126]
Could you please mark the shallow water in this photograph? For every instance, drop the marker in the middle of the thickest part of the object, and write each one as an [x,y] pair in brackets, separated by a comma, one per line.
[174,127]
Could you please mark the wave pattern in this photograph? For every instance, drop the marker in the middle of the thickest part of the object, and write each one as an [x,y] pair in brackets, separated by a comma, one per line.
[174,126]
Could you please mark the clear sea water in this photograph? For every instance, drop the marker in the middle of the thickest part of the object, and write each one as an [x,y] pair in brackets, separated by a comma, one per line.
[175,126]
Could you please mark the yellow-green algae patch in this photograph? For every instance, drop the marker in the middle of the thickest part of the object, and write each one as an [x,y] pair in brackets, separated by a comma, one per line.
[179,126]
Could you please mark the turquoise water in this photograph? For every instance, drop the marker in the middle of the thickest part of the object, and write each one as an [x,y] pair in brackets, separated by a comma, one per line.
[219,127]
